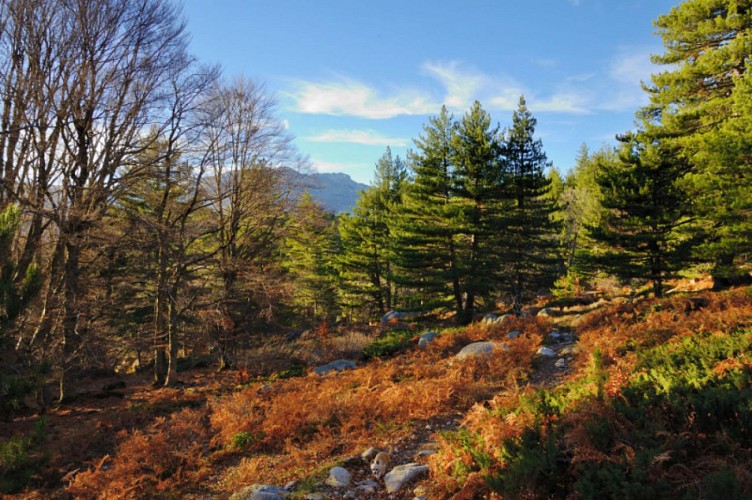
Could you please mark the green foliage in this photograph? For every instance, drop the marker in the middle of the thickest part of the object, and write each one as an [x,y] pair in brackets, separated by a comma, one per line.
[311,250]
[394,341]
[14,387]
[682,397]
[21,458]
[244,440]
[366,262]
[646,213]
[428,224]
[578,207]
[15,293]
[528,246]
[477,215]
[700,102]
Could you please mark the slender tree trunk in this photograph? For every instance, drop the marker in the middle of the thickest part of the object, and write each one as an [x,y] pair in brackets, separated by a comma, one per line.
[171,376]
[71,340]
[161,311]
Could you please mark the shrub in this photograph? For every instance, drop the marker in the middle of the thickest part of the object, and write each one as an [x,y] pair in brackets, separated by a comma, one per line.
[393,342]
[21,458]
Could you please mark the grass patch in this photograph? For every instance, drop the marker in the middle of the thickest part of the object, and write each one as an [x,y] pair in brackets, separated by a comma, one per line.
[393,342]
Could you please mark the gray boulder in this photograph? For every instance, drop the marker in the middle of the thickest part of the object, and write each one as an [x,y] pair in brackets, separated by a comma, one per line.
[546,312]
[480,349]
[339,477]
[338,365]
[397,316]
[426,339]
[260,492]
[489,318]
[546,352]
[403,474]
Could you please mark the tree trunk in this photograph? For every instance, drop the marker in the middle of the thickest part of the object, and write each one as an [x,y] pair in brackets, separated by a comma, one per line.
[171,376]
[71,339]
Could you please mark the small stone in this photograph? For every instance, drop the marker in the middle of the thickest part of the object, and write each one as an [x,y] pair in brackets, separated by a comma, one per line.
[480,349]
[513,334]
[290,485]
[314,496]
[369,454]
[560,363]
[367,486]
[567,351]
[546,312]
[546,352]
[339,477]
[403,474]
[489,318]
[426,453]
[260,492]
[426,339]
[339,365]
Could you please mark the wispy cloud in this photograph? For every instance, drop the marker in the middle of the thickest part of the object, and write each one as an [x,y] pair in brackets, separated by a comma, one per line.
[562,102]
[367,137]
[360,172]
[456,85]
[629,67]
[461,84]
[347,97]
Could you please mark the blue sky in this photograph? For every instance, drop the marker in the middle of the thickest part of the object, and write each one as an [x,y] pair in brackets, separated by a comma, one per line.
[352,77]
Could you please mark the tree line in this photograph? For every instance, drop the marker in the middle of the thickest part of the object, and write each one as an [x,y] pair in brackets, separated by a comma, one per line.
[151,209]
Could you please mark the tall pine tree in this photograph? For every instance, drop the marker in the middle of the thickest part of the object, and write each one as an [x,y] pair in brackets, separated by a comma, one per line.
[528,243]
[427,232]
[697,103]
[367,259]
[646,211]
[478,195]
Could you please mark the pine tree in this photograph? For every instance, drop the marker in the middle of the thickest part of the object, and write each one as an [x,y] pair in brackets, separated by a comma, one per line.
[579,206]
[367,258]
[478,196]
[697,103]
[646,212]
[428,230]
[528,242]
[311,249]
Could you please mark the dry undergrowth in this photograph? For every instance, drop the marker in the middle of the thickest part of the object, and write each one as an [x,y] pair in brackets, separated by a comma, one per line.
[288,429]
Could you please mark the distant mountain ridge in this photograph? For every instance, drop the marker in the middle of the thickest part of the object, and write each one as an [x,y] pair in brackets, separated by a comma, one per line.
[336,191]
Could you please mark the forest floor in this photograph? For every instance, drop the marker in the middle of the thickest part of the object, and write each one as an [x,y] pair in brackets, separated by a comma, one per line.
[214,432]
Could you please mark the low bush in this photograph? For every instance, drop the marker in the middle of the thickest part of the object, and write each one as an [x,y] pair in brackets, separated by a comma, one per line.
[21,458]
[669,416]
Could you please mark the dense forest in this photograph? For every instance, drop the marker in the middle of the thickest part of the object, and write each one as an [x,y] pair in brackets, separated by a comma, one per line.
[153,210]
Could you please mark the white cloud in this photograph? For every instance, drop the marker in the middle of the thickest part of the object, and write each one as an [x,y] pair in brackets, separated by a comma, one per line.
[359,172]
[461,84]
[348,97]
[367,137]
[562,102]
[627,70]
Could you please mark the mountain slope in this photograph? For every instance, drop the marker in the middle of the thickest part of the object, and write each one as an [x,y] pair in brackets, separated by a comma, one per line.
[336,191]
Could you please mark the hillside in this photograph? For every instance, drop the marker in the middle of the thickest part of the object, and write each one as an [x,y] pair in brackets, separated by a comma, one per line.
[336,191]
[641,398]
